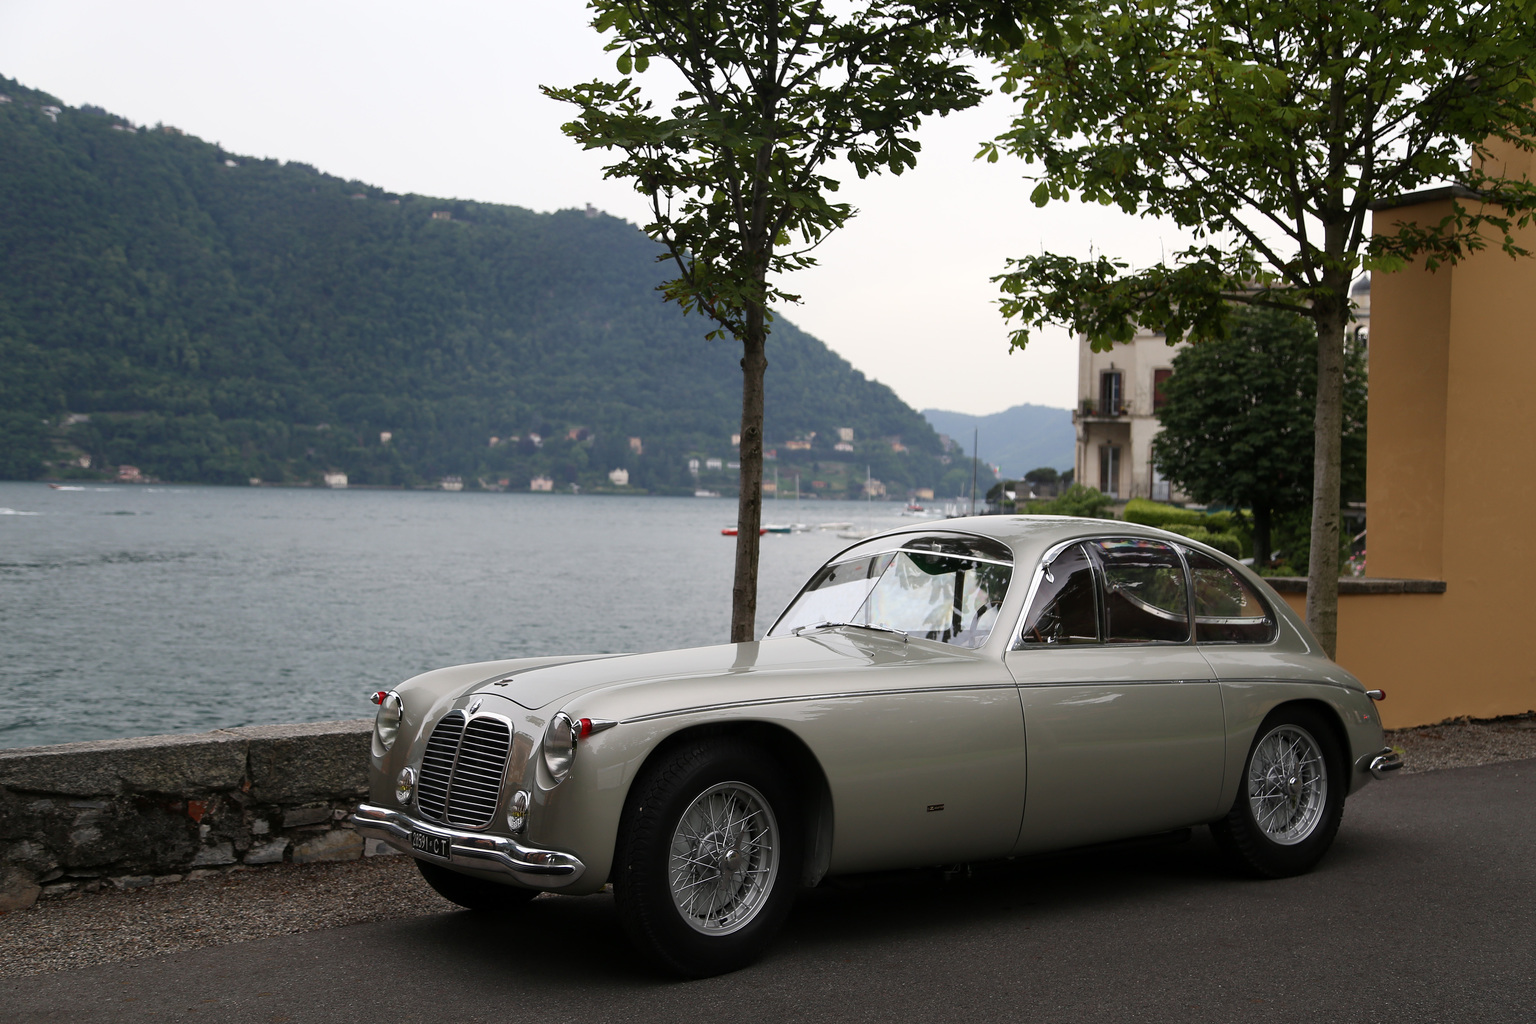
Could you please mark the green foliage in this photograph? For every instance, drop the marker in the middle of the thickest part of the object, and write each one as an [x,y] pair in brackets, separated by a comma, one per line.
[1046,475]
[1225,542]
[735,168]
[1238,419]
[1269,126]
[227,322]
[1077,500]
[1165,517]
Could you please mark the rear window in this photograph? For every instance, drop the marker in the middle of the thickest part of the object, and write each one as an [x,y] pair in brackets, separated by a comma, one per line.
[1227,611]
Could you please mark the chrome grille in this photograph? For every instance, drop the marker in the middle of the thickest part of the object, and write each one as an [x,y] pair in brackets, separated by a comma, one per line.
[462,769]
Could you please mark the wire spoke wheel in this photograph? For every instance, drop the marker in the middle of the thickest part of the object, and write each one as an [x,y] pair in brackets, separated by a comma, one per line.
[723,858]
[1287,784]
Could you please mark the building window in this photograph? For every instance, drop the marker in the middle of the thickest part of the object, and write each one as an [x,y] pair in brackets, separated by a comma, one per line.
[1159,378]
[1160,488]
[1111,394]
[1109,470]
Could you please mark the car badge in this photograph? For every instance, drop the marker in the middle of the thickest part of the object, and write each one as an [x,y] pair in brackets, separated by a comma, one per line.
[475,706]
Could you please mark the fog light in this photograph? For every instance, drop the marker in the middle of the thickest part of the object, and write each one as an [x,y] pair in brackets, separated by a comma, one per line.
[517,811]
[404,784]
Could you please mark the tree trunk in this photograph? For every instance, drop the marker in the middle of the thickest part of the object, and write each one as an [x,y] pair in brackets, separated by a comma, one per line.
[749,508]
[1262,545]
[1327,454]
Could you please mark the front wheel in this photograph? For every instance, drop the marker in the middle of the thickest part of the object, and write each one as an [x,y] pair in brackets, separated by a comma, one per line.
[708,857]
[1291,797]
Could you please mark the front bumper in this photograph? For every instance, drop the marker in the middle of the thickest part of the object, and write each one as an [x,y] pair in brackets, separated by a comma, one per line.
[536,868]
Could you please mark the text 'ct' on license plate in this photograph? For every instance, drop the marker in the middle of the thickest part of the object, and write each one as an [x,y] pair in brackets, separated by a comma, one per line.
[437,846]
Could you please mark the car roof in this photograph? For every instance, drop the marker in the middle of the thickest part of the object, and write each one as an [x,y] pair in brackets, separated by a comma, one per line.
[1030,536]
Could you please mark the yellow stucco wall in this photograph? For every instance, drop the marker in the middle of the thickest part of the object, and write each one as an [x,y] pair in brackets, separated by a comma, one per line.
[1450,485]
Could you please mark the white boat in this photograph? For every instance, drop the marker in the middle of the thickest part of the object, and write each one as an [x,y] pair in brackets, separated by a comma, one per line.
[706,494]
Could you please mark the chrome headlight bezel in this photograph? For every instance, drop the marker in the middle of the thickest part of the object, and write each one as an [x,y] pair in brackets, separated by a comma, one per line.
[559,746]
[405,785]
[386,722]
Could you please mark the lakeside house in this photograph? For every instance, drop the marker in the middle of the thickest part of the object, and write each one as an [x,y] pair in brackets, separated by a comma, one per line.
[541,483]
[620,477]
[335,479]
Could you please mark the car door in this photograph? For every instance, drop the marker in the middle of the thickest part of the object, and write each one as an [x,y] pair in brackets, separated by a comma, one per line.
[1123,716]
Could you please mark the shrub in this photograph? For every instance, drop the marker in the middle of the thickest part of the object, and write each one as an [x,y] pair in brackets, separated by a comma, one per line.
[1155,513]
[1226,543]
[1077,500]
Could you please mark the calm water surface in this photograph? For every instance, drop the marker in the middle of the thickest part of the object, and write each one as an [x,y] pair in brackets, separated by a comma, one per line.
[128,610]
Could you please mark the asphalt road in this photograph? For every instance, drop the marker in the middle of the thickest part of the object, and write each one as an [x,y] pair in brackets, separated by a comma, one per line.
[1425,910]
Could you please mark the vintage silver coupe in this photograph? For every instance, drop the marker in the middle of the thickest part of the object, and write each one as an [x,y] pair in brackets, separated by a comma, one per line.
[943,693]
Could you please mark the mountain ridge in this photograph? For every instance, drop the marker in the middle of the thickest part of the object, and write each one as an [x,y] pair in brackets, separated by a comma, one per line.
[212,317]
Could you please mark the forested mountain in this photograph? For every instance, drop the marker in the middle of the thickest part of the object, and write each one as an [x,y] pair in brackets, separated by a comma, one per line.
[1018,439]
[209,317]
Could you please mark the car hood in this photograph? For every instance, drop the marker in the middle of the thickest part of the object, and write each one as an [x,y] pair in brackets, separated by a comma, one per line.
[741,667]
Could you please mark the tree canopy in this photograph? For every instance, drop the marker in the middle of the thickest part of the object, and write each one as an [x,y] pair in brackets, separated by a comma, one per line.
[1267,128]
[1237,419]
[737,166]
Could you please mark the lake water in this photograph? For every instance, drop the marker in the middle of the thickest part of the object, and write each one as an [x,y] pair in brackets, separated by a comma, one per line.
[128,610]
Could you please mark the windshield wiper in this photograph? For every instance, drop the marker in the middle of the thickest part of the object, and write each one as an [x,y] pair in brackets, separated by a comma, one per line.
[856,625]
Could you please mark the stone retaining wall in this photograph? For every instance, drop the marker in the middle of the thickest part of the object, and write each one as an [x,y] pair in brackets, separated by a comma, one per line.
[156,809]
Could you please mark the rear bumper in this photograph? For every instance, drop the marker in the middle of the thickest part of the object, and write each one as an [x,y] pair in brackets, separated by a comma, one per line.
[1382,763]
[533,867]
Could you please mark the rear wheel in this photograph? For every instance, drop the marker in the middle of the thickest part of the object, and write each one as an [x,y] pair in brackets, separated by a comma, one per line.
[708,857]
[1290,799]
[474,893]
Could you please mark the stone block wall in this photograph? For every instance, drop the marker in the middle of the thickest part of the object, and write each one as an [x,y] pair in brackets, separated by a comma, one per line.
[156,809]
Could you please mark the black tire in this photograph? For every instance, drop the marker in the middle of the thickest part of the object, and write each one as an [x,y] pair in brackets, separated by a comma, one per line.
[1284,818]
[739,914]
[473,893]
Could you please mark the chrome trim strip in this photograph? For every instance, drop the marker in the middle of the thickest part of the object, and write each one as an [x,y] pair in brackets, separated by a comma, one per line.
[528,864]
[845,695]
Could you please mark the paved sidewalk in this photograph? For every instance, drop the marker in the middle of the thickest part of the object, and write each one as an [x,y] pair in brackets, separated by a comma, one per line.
[1424,911]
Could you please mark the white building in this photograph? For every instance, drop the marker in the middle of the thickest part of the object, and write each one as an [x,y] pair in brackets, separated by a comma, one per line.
[620,477]
[1119,393]
[541,483]
[336,480]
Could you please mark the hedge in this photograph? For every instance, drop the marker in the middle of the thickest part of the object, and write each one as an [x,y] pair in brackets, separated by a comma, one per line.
[1165,517]
[1226,543]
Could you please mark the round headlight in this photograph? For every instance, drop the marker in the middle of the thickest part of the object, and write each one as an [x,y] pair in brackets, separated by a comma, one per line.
[404,784]
[386,724]
[559,746]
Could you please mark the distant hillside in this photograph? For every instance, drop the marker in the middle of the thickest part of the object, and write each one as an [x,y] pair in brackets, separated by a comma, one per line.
[209,317]
[1019,439]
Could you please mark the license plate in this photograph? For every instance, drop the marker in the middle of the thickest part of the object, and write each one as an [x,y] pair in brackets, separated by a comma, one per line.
[428,843]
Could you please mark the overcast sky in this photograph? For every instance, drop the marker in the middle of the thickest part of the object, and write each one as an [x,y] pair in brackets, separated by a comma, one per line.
[442,99]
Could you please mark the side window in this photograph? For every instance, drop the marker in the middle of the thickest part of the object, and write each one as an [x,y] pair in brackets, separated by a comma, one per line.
[1226,608]
[1065,609]
[1145,597]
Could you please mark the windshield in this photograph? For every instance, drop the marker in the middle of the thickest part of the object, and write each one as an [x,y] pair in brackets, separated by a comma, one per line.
[941,589]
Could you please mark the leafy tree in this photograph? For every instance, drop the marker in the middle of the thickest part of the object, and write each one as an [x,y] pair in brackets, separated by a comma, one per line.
[736,168]
[1237,420]
[1045,475]
[1269,128]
